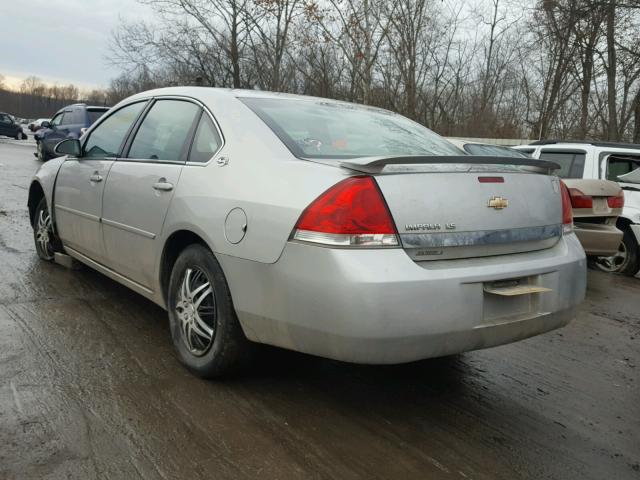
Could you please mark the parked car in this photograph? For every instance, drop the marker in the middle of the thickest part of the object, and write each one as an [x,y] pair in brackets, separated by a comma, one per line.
[10,128]
[330,228]
[69,122]
[617,162]
[475,148]
[35,125]
[596,204]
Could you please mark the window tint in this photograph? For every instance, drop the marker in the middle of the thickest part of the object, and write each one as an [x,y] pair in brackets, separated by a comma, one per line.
[163,132]
[95,115]
[5,118]
[206,141]
[571,163]
[106,139]
[337,130]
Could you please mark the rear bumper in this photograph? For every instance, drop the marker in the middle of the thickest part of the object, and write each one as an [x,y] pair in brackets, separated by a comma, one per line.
[379,306]
[598,239]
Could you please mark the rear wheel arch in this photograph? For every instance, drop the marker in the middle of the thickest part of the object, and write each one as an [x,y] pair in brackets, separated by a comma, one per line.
[173,246]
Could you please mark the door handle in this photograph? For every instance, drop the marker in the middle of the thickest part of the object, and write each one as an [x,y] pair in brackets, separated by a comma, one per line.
[163,185]
[96,177]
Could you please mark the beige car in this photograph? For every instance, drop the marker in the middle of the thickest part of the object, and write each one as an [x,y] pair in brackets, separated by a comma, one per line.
[596,204]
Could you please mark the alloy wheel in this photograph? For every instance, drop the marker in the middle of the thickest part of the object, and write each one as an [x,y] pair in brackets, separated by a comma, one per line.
[196,311]
[616,262]
[44,234]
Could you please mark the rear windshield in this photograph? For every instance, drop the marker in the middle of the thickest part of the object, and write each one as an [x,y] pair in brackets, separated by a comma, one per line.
[493,150]
[95,115]
[325,129]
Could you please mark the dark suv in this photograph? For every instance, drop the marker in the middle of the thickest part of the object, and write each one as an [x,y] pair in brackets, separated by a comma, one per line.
[69,122]
[9,128]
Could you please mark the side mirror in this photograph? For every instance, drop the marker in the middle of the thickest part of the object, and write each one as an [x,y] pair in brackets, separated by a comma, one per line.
[45,124]
[70,146]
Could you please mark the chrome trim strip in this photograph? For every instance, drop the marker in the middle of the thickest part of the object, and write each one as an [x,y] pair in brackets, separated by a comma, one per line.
[95,218]
[128,228]
[480,237]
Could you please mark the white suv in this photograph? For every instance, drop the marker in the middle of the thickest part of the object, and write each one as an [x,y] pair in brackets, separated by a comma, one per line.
[619,162]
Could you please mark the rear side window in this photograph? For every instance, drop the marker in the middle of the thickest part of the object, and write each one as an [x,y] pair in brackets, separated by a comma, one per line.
[106,139]
[73,117]
[206,141]
[164,131]
[571,163]
[94,115]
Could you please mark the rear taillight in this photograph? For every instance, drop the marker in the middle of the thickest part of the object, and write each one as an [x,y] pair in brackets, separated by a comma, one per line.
[352,213]
[567,213]
[617,201]
[579,199]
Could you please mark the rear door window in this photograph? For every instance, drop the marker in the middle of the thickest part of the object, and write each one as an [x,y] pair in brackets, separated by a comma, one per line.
[106,139]
[571,163]
[206,141]
[164,131]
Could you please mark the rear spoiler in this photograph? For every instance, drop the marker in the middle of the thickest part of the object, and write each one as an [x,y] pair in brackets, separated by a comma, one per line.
[377,164]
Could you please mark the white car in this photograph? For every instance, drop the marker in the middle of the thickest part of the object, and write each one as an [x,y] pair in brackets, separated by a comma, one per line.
[619,162]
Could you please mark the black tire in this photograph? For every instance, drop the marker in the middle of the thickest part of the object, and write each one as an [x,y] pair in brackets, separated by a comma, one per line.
[228,350]
[46,241]
[632,264]
[41,153]
[18,135]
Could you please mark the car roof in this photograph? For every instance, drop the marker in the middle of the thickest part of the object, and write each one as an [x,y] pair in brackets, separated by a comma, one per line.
[198,92]
[595,143]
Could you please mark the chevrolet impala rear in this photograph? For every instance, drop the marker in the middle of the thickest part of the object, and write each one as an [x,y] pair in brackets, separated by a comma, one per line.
[414,249]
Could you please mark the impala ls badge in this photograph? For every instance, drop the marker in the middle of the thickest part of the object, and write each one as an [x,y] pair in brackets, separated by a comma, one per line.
[498,203]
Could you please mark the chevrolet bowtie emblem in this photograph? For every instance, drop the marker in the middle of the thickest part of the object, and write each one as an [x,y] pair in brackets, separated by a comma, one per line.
[498,203]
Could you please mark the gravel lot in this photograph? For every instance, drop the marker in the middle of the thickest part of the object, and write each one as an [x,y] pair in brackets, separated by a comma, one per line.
[90,388]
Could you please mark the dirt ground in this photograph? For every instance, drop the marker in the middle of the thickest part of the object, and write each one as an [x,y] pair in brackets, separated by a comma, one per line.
[90,388]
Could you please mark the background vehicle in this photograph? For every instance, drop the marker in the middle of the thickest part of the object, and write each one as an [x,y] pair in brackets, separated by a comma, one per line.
[608,161]
[596,203]
[69,122]
[35,125]
[10,128]
[474,148]
[330,228]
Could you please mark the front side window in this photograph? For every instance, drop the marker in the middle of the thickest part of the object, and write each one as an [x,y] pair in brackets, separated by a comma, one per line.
[5,118]
[336,130]
[67,118]
[57,119]
[106,139]
[619,165]
[571,163]
[164,131]
[206,141]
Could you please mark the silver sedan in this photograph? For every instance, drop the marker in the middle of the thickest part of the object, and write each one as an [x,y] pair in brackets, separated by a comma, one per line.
[334,229]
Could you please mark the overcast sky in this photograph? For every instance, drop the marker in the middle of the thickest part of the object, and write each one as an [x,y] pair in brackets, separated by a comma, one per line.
[61,41]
